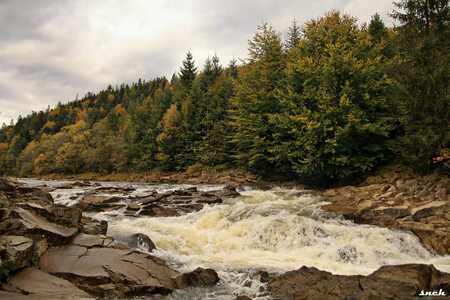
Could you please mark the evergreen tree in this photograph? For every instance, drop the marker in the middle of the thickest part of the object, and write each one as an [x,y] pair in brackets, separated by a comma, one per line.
[424,72]
[336,119]
[377,29]
[294,35]
[188,71]
[233,69]
[256,100]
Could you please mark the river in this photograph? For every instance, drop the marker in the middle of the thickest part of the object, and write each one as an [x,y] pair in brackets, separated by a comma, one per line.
[276,231]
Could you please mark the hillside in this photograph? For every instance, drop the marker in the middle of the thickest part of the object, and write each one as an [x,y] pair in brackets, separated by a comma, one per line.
[328,104]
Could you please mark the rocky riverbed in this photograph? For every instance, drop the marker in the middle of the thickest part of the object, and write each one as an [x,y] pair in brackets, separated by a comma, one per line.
[75,240]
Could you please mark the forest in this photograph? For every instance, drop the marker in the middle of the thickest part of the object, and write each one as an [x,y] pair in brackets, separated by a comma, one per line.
[327,104]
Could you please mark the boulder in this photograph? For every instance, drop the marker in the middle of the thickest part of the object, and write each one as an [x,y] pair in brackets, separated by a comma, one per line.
[32,283]
[31,224]
[92,202]
[93,226]
[198,278]
[16,252]
[6,186]
[109,271]
[389,282]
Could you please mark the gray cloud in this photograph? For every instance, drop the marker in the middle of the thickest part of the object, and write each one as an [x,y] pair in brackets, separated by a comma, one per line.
[52,50]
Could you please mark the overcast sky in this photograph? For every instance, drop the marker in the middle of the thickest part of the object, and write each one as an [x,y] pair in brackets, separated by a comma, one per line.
[52,50]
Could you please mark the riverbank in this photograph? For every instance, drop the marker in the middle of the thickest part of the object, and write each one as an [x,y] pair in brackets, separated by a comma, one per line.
[193,175]
[399,199]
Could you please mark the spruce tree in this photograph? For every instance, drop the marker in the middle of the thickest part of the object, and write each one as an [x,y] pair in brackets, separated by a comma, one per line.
[188,71]
[256,101]
[377,29]
[294,35]
[424,74]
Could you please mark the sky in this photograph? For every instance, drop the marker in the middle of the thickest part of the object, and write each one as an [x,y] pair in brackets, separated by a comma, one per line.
[53,50]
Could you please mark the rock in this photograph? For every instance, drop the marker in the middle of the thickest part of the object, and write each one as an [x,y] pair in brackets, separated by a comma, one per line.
[89,241]
[228,191]
[389,282]
[137,241]
[348,254]
[92,226]
[30,224]
[16,252]
[429,209]
[198,278]
[5,185]
[109,272]
[36,284]
[399,200]
[114,190]
[243,297]
[384,215]
[92,202]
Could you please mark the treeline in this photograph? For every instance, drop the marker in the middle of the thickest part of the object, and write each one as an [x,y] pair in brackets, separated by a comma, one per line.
[328,104]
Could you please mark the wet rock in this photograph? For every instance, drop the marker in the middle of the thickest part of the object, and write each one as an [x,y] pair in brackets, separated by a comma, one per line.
[389,282]
[93,226]
[90,241]
[348,254]
[243,297]
[142,242]
[399,200]
[115,189]
[5,185]
[92,202]
[198,278]
[137,241]
[109,272]
[228,191]
[29,223]
[32,283]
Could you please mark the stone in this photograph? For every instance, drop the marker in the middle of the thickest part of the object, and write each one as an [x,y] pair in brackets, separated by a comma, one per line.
[198,278]
[34,223]
[93,226]
[137,241]
[92,202]
[16,252]
[398,200]
[36,284]
[89,241]
[389,282]
[123,272]
[243,297]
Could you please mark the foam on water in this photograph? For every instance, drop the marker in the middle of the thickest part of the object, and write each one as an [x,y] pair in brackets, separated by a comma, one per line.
[276,231]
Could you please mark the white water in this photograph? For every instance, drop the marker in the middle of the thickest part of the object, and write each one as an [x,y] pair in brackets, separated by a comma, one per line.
[277,231]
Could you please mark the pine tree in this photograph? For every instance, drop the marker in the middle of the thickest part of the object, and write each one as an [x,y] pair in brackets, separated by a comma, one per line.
[233,69]
[188,71]
[424,74]
[294,35]
[256,101]
[377,29]
[336,120]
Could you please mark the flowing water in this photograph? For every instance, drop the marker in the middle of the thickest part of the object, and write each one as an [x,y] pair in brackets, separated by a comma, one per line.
[275,231]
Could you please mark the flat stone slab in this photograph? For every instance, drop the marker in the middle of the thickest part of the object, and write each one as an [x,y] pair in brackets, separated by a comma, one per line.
[37,284]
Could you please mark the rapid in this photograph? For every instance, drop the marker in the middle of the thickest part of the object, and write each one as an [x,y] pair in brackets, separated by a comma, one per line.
[275,231]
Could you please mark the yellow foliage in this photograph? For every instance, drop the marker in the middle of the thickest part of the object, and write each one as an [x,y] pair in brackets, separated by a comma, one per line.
[120,110]
[111,98]
[49,125]
[82,115]
[3,147]
[170,119]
